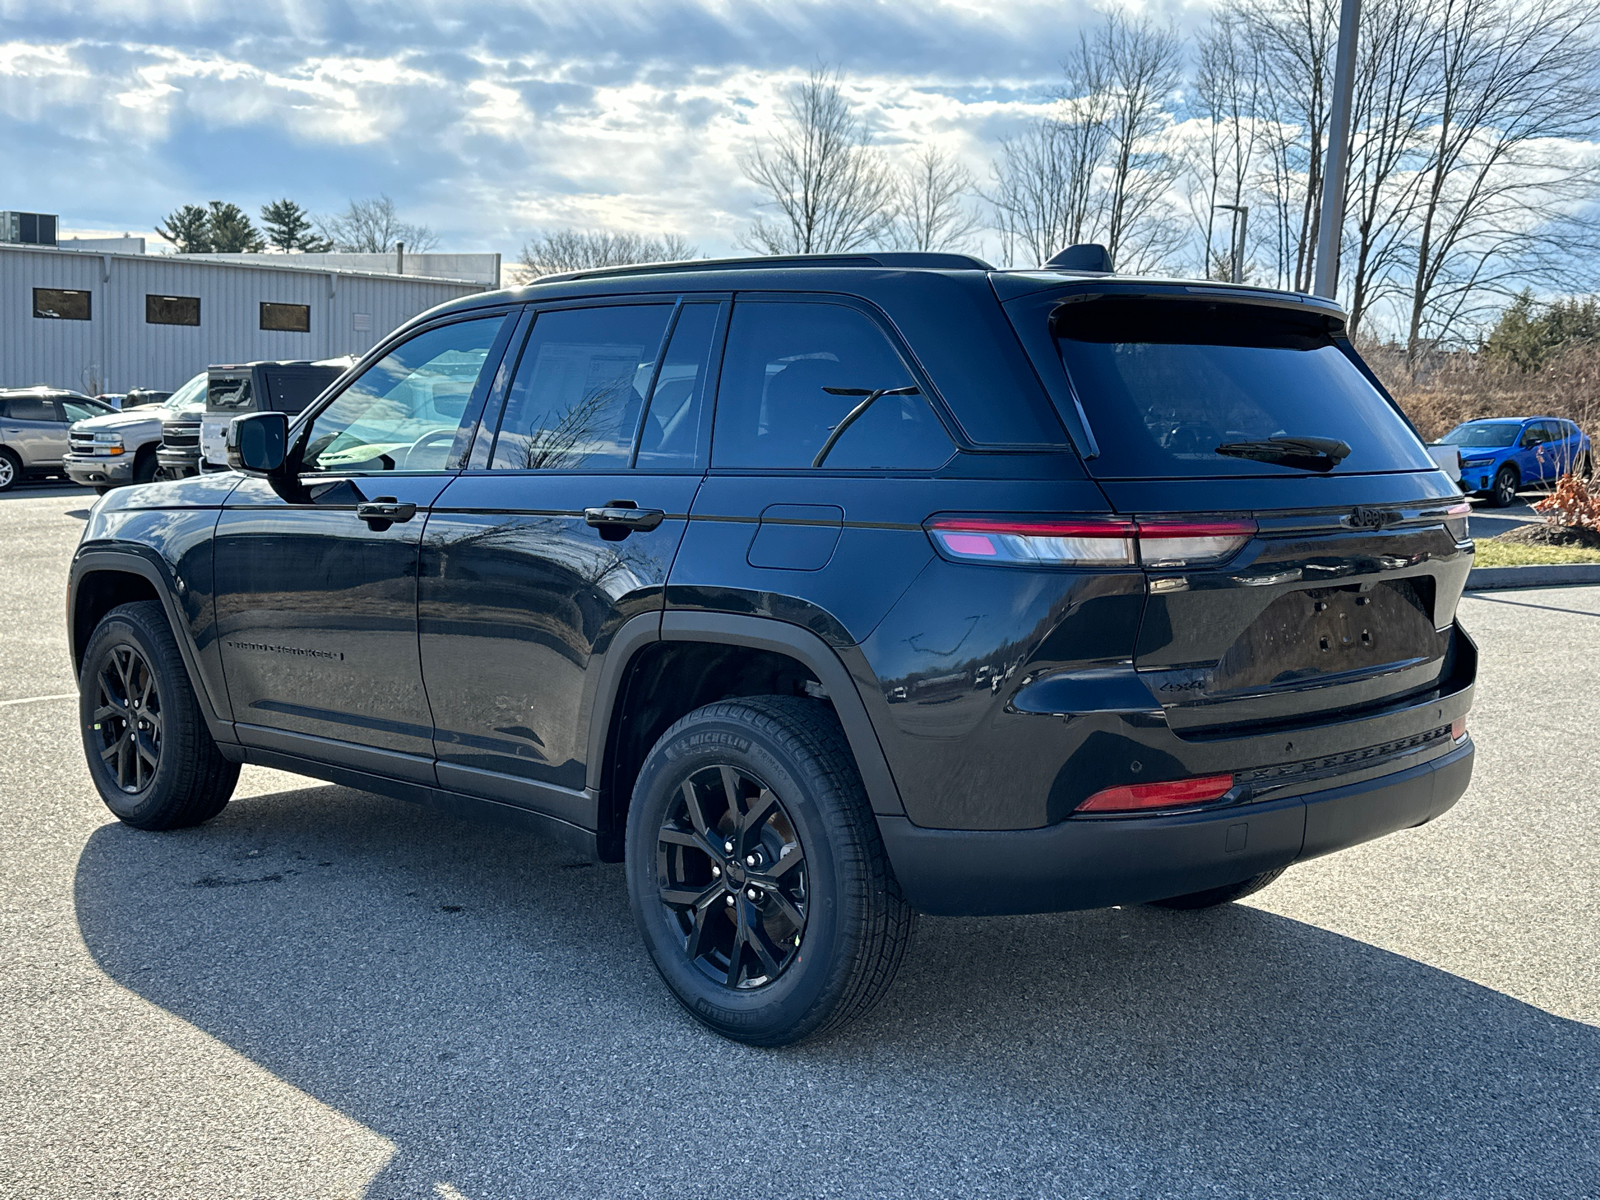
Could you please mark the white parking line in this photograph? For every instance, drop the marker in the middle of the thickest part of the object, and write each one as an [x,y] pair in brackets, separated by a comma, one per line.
[39,699]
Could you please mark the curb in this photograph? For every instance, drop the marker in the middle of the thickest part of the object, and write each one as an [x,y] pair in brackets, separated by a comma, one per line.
[1481,579]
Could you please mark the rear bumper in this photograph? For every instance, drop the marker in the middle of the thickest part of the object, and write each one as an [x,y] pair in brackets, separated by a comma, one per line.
[87,469]
[1080,863]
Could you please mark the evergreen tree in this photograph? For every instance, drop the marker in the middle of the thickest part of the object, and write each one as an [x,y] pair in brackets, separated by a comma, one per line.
[188,228]
[230,230]
[288,227]
[1526,337]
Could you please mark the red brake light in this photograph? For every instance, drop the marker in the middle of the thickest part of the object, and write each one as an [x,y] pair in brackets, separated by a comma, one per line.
[1142,797]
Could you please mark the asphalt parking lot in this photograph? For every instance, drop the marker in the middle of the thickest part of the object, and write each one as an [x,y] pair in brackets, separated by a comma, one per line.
[327,993]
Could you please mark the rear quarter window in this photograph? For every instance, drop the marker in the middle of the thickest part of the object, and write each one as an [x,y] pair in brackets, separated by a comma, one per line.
[1165,383]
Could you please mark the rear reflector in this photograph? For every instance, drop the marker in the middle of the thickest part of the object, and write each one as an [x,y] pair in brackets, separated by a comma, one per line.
[1088,541]
[1142,797]
[1458,729]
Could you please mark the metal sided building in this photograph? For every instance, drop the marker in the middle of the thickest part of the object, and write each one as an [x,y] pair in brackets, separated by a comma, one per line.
[109,322]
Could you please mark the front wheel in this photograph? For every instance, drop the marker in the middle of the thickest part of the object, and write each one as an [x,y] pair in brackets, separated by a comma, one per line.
[1504,491]
[757,875]
[10,469]
[150,754]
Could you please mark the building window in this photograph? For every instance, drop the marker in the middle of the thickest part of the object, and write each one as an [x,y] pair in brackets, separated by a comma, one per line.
[58,304]
[292,318]
[361,322]
[172,310]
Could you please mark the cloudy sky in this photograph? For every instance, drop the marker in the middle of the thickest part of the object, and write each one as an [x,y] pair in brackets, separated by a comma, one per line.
[527,114]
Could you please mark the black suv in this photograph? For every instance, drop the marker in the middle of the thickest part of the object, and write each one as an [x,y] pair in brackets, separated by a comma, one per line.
[817,592]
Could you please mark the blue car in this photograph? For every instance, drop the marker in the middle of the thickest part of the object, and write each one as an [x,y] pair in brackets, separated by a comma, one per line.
[1501,454]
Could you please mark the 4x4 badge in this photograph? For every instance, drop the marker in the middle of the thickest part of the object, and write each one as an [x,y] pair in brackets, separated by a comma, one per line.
[1371,518]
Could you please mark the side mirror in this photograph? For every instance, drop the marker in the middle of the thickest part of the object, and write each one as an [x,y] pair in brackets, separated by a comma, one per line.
[258,442]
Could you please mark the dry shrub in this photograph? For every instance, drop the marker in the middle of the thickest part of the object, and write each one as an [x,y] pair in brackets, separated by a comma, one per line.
[1574,504]
[1447,389]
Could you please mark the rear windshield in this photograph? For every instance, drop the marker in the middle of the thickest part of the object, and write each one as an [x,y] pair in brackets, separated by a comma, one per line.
[1164,383]
[1501,433]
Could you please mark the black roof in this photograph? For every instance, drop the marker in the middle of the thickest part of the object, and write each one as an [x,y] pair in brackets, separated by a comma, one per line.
[857,274]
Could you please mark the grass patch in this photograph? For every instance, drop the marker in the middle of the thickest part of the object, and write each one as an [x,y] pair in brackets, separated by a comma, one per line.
[1492,552]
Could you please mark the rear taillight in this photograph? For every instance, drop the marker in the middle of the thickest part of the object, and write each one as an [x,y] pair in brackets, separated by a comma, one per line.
[1180,543]
[1146,797]
[1088,541]
[1456,518]
[1458,730]
[1034,543]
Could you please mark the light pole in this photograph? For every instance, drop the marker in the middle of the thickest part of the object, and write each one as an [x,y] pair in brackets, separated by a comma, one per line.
[1326,281]
[1241,222]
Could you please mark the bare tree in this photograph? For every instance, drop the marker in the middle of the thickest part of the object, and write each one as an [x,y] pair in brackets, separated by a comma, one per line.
[1141,66]
[1394,83]
[373,227]
[1516,87]
[558,250]
[1095,168]
[832,191]
[1227,97]
[930,203]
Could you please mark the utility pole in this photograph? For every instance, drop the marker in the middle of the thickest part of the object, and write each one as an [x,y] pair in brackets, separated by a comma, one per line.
[1241,224]
[1332,224]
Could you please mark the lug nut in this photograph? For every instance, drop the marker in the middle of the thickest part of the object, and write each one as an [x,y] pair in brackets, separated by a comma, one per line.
[753,894]
[728,846]
[749,860]
[730,901]
[716,872]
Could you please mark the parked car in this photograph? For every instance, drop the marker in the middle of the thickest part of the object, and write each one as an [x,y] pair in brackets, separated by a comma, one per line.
[33,430]
[285,387]
[120,448]
[816,591]
[1501,454]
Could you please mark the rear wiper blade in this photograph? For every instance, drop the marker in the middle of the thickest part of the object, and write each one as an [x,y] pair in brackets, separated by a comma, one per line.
[1303,453]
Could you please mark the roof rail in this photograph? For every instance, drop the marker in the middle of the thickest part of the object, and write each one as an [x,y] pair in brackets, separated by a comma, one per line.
[888,258]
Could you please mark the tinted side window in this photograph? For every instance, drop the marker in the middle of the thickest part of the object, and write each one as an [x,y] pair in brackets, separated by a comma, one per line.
[671,435]
[403,412]
[77,410]
[772,406]
[578,393]
[27,408]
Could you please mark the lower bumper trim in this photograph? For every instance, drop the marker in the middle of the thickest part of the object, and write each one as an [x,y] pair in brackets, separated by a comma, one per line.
[1079,864]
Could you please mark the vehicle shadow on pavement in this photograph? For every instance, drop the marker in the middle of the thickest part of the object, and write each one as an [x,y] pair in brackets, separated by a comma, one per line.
[482,1000]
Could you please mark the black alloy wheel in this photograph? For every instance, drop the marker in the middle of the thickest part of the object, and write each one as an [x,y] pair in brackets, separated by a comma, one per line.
[127,718]
[756,872]
[149,750]
[732,877]
[1504,492]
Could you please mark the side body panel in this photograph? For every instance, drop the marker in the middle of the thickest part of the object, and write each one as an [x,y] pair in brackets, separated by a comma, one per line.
[519,598]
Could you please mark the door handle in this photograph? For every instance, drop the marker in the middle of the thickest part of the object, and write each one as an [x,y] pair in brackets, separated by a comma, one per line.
[619,518]
[384,511]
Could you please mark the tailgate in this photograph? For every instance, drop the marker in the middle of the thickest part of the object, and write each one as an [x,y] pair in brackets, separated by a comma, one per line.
[1320,611]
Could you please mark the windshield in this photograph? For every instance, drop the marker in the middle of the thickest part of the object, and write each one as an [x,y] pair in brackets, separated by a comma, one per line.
[191,397]
[1165,383]
[1500,433]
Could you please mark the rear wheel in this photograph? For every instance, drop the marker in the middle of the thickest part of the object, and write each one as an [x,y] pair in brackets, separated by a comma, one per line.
[1586,466]
[1212,897]
[10,469]
[150,754]
[1504,491]
[757,875]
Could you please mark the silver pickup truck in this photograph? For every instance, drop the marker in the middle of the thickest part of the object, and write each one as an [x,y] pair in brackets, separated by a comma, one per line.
[120,447]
